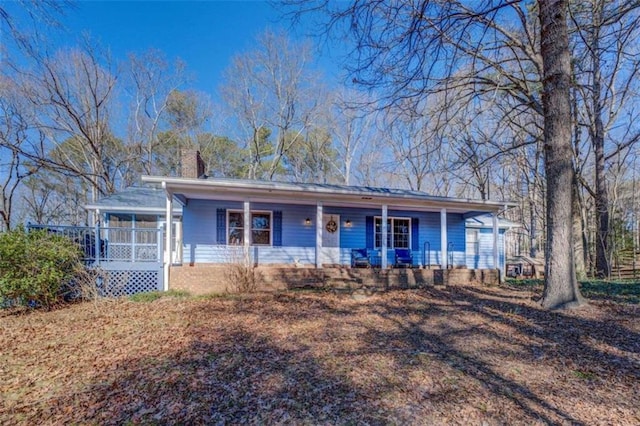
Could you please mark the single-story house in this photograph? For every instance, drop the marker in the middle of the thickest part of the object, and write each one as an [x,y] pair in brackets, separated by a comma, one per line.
[320,225]
[216,221]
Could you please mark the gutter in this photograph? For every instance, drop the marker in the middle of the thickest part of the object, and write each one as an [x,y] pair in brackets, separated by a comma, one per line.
[270,189]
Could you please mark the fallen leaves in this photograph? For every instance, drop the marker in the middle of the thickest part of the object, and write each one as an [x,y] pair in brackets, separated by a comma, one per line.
[457,355]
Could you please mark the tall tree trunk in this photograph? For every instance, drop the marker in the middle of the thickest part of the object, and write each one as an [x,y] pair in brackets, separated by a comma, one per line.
[578,246]
[597,135]
[533,224]
[560,284]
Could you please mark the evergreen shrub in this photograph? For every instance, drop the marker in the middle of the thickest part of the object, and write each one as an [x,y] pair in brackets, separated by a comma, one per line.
[36,267]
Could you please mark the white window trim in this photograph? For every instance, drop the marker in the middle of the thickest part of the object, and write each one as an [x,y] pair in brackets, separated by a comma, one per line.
[390,230]
[269,212]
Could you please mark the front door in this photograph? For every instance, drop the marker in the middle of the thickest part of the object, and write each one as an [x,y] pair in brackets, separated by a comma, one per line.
[330,239]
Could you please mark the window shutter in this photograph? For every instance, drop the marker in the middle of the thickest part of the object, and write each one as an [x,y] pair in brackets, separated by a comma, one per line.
[369,231]
[277,228]
[221,226]
[415,234]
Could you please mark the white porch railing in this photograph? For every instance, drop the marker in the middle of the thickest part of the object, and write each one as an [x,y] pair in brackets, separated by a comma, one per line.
[108,244]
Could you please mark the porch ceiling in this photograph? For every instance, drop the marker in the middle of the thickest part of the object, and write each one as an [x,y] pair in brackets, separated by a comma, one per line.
[309,194]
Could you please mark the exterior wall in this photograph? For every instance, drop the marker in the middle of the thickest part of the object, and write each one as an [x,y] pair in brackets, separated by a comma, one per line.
[428,231]
[484,260]
[200,234]
[298,239]
[456,237]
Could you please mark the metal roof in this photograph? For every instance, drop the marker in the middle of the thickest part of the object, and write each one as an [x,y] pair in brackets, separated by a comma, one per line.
[486,221]
[310,193]
[135,199]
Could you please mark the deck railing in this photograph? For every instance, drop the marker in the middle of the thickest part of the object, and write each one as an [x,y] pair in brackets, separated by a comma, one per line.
[111,244]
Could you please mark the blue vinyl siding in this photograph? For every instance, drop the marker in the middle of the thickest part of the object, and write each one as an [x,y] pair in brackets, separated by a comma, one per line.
[200,234]
[484,259]
[430,233]
[456,238]
[429,230]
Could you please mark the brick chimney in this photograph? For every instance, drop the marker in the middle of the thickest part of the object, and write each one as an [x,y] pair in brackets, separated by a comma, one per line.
[192,164]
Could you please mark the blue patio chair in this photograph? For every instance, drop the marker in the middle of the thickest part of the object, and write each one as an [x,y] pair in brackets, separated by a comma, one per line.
[404,258]
[360,258]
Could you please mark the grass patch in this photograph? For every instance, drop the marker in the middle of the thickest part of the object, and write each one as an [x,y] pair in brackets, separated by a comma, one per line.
[155,295]
[527,282]
[615,291]
[584,375]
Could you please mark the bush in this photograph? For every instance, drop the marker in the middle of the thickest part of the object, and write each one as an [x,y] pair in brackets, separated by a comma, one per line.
[36,267]
[240,274]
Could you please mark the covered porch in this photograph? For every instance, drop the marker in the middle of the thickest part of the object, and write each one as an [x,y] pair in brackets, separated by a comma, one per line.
[318,226]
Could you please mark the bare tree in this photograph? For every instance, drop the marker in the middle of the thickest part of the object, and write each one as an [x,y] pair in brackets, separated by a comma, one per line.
[73,94]
[271,88]
[41,13]
[311,157]
[15,130]
[354,129]
[474,138]
[561,286]
[409,50]
[606,69]
[150,82]
[53,198]
[414,143]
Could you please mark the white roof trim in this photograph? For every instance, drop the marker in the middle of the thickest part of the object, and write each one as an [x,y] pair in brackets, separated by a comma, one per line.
[130,209]
[259,191]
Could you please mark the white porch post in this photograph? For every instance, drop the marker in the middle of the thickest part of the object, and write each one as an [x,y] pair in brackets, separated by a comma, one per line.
[443,238]
[319,235]
[247,231]
[383,242]
[496,256]
[178,254]
[97,240]
[168,237]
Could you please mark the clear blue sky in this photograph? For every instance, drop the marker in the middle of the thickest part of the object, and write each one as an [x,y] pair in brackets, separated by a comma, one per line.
[205,34]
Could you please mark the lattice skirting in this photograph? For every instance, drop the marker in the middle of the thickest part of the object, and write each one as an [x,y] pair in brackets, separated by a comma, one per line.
[115,280]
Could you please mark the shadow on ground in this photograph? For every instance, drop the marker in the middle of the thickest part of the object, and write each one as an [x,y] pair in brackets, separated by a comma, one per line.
[448,355]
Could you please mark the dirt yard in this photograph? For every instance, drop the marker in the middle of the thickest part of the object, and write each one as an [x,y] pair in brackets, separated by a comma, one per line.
[455,355]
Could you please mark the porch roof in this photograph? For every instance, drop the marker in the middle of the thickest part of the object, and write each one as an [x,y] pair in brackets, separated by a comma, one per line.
[486,221]
[135,199]
[184,189]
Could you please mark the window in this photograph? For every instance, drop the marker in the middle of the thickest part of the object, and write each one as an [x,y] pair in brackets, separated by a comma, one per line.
[260,228]
[398,232]
[472,242]
[143,228]
[235,224]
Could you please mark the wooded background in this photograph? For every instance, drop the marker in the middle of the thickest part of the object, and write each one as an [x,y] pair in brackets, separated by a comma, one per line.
[443,97]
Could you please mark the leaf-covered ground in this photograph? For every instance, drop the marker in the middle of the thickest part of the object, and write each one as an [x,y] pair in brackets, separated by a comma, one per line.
[455,355]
